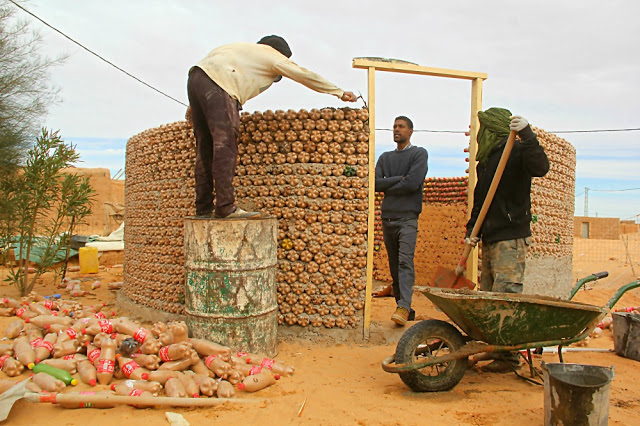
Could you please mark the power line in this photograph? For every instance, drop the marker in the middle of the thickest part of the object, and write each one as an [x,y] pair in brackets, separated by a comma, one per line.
[429,131]
[614,190]
[94,53]
[595,131]
[549,131]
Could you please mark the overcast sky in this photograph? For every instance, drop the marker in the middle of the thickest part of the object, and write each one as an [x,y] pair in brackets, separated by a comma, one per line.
[564,65]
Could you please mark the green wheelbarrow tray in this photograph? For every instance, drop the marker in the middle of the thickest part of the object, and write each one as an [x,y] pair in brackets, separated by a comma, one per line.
[504,322]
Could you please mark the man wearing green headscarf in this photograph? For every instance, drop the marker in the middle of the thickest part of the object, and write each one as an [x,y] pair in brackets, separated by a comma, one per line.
[506,230]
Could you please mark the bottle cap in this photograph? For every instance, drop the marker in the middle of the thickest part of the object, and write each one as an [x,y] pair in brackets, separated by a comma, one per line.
[26,320]
[37,361]
[113,386]
[30,366]
[74,382]
[195,395]
[276,376]
[47,326]
[145,376]
[241,386]
[92,382]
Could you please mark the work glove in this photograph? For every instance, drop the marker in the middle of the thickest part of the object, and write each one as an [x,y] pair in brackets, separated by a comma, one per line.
[518,123]
[472,241]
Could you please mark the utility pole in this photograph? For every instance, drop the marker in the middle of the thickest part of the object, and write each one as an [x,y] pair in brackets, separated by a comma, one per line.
[586,201]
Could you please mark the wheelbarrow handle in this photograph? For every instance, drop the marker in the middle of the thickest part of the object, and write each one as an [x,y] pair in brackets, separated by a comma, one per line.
[633,284]
[488,199]
[583,281]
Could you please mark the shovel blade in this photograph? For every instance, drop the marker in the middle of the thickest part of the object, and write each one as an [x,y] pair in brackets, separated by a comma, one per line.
[446,278]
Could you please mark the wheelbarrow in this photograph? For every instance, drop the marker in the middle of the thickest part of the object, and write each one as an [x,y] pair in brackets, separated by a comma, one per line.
[432,355]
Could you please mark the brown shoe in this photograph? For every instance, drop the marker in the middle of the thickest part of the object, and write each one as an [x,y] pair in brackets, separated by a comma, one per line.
[400,316]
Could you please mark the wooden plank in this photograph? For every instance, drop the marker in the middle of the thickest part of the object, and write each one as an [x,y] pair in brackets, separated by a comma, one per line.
[476,105]
[372,193]
[383,64]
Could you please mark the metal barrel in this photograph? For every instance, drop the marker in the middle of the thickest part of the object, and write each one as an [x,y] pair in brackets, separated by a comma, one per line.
[230,285]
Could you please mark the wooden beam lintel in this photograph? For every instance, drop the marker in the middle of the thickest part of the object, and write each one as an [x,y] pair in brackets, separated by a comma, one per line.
[416,69]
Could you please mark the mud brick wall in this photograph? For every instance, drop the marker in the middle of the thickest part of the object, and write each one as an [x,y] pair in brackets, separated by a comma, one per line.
[309,169]
[600,228]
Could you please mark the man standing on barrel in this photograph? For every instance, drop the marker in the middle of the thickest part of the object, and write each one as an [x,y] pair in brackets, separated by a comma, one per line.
[218,86]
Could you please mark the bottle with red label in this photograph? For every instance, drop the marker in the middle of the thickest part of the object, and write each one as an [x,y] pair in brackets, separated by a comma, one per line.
[248,369]
[7,302]
[100,326]
[24,352]
[131,369]
[174,351]
[87,372]
[257,382]
[93,354]
[49,305]
[25,313]
[11,366]
[40,309]
[68,333]
[69,347]
[106,361]
[278,367]
[219,367]
[127,326]
[44,347]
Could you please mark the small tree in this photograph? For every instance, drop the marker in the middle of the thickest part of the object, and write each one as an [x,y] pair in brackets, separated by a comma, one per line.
[41,200]
[26,92]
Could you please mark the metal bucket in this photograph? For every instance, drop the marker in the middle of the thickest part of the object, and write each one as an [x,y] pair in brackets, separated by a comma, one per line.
[576,394]
[626,334]
[230,285]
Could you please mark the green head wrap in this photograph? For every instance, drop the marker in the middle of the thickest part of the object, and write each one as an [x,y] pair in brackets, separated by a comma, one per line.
[494,126]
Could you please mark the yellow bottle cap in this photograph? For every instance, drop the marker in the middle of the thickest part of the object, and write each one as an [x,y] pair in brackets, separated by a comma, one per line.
[74,382]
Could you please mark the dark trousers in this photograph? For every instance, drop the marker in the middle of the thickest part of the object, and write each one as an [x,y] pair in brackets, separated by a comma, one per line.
[215,124]
[400,237]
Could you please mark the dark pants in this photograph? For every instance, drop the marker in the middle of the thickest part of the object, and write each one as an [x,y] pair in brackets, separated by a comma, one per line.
[215,124]
[400,237]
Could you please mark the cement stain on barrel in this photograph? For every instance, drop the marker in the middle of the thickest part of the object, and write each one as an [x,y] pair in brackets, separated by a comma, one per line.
[230,288]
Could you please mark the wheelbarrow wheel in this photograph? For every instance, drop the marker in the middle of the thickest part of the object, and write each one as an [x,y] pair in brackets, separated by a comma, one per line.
[431,339]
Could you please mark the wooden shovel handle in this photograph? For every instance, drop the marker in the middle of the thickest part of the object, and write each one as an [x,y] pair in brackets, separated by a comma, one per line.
[137,400]
[489,198]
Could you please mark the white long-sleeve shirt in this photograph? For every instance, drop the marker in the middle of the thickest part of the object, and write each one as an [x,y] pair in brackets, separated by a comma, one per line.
[244,70]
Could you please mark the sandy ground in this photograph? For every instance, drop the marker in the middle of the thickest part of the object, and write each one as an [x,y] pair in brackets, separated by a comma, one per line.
[339,379]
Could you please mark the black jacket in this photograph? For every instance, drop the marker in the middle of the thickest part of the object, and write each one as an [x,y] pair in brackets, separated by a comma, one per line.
[509,216]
